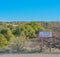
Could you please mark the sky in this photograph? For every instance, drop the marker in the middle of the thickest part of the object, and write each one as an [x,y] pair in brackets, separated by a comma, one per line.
[30,10]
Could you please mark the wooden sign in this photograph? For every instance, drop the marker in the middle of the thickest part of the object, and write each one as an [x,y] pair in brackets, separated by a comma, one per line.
[45,34]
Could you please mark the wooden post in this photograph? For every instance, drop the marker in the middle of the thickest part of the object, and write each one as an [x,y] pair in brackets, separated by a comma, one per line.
[50,44]
[41,44]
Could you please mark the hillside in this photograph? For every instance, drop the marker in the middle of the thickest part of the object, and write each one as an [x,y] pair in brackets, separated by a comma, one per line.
[17,35]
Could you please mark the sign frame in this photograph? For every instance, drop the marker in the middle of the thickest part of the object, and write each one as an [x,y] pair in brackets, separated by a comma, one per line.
[42,37]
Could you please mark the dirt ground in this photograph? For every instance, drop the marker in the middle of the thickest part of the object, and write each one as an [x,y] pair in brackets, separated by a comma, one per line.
[29,55]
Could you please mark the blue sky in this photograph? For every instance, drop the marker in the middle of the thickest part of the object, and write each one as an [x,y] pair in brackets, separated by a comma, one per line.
[30,10]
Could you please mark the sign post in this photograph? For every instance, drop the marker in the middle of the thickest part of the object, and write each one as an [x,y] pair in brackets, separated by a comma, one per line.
[43,35]
[41,44]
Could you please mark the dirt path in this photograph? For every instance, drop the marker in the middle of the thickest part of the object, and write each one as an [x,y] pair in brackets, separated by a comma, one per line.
[29,55]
